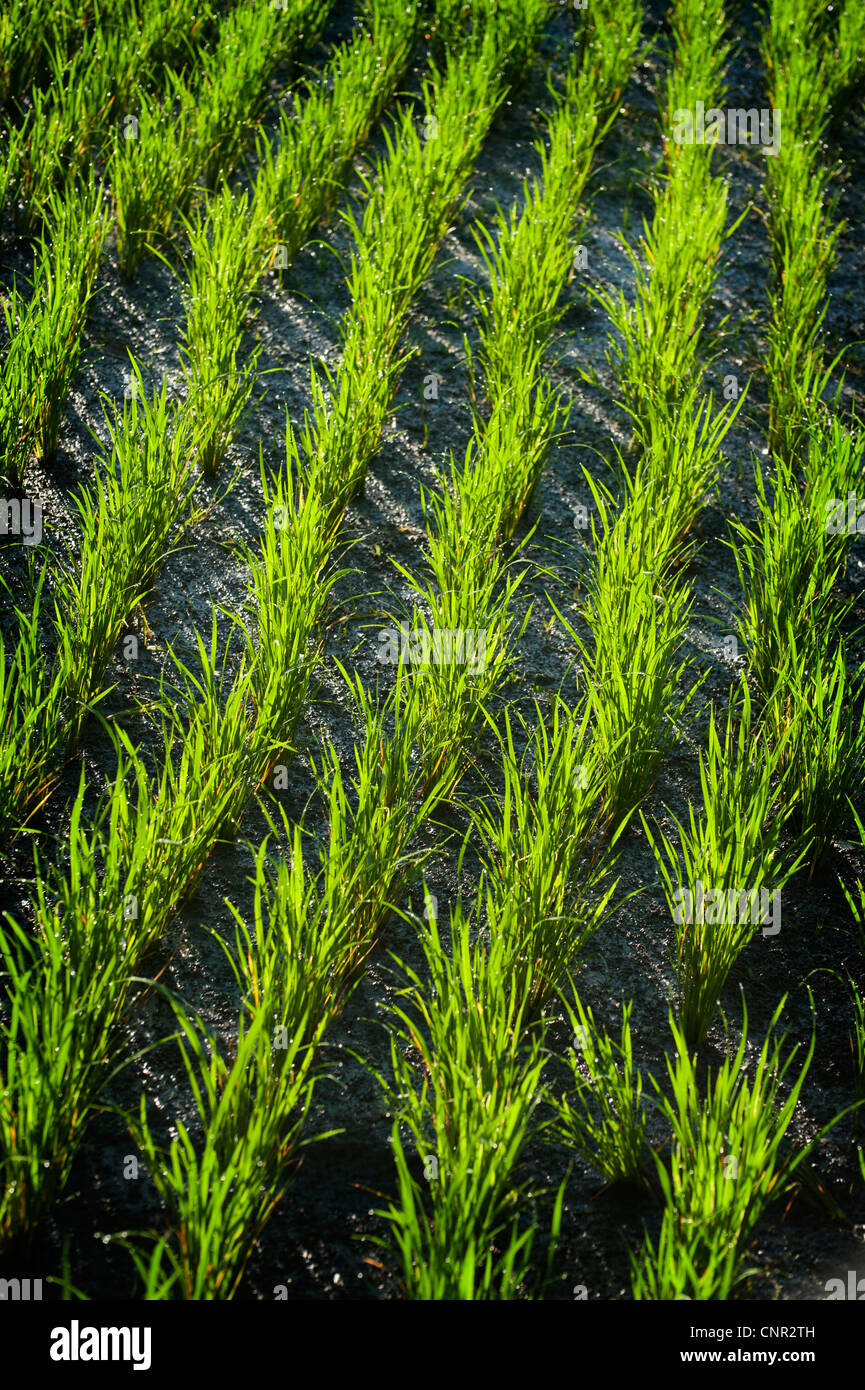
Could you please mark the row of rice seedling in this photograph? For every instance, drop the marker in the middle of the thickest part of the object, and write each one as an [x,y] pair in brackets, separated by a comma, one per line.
[69,979]
[200,132]
[477,1027]
[366,858]
[144,488]
[45,332]
[55,185]
[791,562]
[810,74]
[638,605]
[54,140]
[528,257]
[729,1157]
[237,239]
[789,565]
[215,729]
[141,501]
[31,32]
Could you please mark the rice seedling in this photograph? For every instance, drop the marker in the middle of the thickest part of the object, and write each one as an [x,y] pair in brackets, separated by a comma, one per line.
[467,1116]
[471,585]
[60,130]
[518,316]
[802,229]
[543,854]
[30,720]
[465,24]
[638,619]
[605,1118]
[313,931]
[252,1108]
[226,249]
[856,899]
[723,879]
[466,646]
[137,508]
[152,176]
[679,465]
[289,584]
[45,334]
[821,708]
[298,178]
[857,1039]
[728,1161]
[68,982]
[788,569]
[25,30]
[847,67]
[661,334]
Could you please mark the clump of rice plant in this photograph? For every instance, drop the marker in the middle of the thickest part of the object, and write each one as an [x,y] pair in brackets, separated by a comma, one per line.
[31,726]
[543,851]
[46,332]
[461,1122]
[138,506]
[728,1161]
[604,1119]
[789,569]
[728,866]
[821,710]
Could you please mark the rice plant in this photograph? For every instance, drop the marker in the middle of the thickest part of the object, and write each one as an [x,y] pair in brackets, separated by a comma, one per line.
[298,178]
[69,980]
[46,332]
[605,1117]
[461,1122]
[723,876]
[802,226]
[226,246]
[543,853]
[661,333]
[152,175]
[727,1162]
[137,508]
[638,621]
[252,1107]
[789,569]
[821,708]
[31,726]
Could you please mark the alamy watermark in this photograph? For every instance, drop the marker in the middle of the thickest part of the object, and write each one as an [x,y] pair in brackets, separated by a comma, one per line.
[21,518]
[727,906]
[736,126]
[845,518]
[437,647]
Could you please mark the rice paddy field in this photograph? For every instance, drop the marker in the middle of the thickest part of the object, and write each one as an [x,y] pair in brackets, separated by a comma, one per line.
[431,682]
